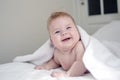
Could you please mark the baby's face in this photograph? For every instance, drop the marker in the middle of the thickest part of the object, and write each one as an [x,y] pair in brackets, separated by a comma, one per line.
[63,33]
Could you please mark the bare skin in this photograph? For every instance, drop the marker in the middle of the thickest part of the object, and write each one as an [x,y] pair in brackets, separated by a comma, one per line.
[69,49]
[70,61]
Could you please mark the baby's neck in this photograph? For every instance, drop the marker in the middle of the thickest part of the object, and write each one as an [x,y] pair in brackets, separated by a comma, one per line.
[67,51]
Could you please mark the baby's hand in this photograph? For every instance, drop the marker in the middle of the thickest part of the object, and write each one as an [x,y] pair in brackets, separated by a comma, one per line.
[38,67]
[59,74]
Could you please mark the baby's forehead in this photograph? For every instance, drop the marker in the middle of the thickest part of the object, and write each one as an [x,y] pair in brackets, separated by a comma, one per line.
[59,21]
[59,18]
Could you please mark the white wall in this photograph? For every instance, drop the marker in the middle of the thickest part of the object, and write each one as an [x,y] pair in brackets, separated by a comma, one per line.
[23,25]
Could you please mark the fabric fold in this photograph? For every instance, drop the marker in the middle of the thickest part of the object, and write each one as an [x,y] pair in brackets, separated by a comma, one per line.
[98,59]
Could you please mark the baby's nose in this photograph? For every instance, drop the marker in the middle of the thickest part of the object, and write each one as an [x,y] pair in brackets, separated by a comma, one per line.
[64,33]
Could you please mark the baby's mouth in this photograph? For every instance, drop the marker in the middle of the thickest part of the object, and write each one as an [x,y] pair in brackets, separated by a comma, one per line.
[66,39]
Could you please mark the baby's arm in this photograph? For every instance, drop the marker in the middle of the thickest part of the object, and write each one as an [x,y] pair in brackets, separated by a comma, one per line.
[78,67]
[51,64]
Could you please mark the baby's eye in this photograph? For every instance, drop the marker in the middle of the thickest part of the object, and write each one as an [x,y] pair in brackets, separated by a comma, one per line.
[68,27]
[57,32]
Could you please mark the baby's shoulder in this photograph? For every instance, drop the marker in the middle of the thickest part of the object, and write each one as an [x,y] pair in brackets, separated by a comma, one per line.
[79,46]
[79,50]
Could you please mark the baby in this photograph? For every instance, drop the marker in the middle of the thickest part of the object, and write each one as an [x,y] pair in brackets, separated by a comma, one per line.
[69,49]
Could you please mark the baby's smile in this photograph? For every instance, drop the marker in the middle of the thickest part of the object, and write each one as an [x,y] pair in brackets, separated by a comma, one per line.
[66,39]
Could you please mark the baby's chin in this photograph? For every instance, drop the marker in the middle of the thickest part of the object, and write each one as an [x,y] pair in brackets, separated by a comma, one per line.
[66,47]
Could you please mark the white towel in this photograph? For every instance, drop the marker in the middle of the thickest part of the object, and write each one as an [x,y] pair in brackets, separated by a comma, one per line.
[98,59]
[45,52]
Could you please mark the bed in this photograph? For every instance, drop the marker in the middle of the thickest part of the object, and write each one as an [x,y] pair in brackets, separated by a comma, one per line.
[25,70]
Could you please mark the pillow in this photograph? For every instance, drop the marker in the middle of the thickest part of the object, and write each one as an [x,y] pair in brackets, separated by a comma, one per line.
[110,32]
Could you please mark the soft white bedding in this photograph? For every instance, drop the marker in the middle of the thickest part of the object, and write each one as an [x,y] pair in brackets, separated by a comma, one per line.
[100,67]
[109,32]
[26,71]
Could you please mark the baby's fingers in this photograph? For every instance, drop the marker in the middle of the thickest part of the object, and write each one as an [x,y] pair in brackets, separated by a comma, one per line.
[39,67]
[59,74]
[54,74]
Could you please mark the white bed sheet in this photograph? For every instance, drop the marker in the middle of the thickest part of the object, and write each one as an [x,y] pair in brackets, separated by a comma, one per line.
[26,71]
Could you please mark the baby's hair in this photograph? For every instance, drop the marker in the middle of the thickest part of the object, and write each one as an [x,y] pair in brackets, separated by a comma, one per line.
[55,15]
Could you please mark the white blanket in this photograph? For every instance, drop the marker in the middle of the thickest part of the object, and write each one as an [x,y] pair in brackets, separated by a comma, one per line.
[98,59]
[26,71]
